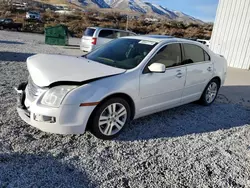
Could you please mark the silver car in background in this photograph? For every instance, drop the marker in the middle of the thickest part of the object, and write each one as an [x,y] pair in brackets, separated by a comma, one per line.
[33,15]
[94,37]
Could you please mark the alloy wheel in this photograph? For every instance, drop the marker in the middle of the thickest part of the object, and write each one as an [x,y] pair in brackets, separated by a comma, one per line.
[211,92]
[112,119]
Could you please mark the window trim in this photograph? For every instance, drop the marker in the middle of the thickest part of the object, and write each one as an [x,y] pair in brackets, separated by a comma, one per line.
[145,71]
[209,58]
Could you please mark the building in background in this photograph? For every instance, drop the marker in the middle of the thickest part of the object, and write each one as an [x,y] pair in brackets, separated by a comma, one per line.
[231,32]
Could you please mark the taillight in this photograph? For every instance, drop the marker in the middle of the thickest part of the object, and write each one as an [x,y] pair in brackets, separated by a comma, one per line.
[94,41]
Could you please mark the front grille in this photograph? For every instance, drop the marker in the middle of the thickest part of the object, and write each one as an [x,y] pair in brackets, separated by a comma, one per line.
[33,90]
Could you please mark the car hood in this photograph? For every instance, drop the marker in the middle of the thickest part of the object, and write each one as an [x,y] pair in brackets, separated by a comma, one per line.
[48,69]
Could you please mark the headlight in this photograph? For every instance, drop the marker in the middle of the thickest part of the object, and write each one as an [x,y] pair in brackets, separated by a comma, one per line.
[54,96]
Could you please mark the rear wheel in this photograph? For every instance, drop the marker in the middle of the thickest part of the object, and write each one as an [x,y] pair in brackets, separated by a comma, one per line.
[110,118]
[210,93]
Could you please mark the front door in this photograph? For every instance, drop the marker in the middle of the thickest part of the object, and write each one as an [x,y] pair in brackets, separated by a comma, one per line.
[159,91]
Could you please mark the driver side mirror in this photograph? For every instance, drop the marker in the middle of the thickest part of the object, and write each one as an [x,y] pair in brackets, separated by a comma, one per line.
[157,68]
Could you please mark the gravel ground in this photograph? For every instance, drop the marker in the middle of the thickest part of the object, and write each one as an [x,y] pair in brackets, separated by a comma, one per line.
[189,146]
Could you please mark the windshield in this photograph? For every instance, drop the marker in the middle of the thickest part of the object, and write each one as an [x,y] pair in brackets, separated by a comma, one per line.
[122,53]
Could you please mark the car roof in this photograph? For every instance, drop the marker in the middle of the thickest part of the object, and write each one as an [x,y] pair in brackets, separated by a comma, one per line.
[109,29]
[162,38]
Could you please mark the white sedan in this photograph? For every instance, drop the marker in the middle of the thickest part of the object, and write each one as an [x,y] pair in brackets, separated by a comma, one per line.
[123,80]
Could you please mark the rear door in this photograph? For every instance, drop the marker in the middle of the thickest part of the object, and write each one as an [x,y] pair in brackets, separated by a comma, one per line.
[199,71]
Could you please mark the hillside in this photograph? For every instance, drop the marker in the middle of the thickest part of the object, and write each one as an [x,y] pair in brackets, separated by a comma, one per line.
[131,6]
[77,21]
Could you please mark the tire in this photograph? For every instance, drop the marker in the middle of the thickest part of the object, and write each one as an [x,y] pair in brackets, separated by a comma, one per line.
[111,124]
[1,28]
[212,90]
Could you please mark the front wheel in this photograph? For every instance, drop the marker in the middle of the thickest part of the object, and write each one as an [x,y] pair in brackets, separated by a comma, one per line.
[110,118]
[210,93]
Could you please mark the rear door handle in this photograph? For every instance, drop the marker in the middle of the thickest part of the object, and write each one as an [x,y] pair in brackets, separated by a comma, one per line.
[179,75]
[209,69]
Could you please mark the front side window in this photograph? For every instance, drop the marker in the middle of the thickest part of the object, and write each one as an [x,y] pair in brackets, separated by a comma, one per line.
[131,34]
[119,34]
[169,55]
[107,34]
[193,54]
[122,53]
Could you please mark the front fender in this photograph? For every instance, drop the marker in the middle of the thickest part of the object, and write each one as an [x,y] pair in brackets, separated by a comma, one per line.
[96,91]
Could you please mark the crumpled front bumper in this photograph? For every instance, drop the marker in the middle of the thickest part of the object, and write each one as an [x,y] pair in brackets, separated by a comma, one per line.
[23,112]
[70,119]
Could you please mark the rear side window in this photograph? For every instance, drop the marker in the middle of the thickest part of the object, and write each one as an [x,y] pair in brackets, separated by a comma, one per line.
[194,54]
[89,32]
[107,34]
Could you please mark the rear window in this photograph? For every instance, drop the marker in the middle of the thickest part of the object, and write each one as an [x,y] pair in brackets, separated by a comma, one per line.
[89,32]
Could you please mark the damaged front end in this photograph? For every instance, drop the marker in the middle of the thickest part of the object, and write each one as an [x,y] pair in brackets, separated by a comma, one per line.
[27,90]
[21,95]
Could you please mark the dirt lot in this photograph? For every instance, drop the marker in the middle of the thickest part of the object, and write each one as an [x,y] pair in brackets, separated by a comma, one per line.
[189,146]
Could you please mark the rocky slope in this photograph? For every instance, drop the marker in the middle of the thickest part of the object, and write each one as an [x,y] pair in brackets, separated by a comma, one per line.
[139,6]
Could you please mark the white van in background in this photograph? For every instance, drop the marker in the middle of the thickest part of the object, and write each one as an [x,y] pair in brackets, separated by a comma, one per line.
[94,37]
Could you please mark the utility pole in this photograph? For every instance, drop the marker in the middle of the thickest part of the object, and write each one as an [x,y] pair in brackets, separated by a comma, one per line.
[127,24]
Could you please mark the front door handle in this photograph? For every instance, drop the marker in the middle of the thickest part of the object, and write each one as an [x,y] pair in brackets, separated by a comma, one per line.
[209,69]
[179,75]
